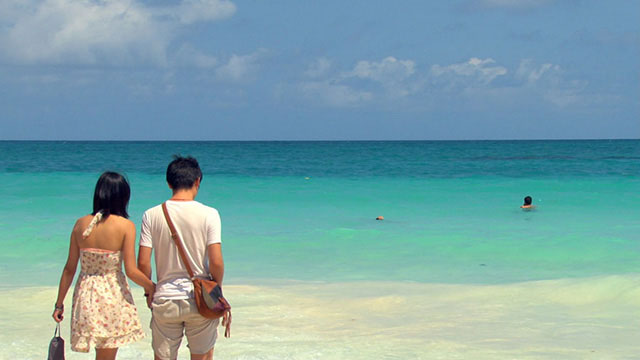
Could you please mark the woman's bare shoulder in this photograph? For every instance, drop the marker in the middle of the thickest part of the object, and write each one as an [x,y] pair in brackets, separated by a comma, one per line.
[83,222]
[122,221]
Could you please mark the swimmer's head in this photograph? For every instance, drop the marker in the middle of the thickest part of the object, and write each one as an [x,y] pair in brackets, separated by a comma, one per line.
[527,200]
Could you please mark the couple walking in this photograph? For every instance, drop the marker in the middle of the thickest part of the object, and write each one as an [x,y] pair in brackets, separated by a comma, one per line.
[104,315]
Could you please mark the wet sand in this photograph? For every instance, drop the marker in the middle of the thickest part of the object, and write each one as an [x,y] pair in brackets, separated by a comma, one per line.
[592,318]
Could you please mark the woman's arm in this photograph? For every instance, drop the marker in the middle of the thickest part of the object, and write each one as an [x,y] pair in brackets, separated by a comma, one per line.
[129,258]
[68,273]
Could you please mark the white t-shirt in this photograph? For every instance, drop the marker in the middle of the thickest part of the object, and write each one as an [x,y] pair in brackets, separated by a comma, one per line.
[198,226]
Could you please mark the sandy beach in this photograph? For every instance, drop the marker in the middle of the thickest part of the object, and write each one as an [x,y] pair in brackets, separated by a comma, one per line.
[593,318]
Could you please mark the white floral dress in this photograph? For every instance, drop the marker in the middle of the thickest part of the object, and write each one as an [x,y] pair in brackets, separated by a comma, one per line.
[104,314]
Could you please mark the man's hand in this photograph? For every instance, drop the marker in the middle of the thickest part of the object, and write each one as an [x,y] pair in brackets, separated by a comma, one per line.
[148,293]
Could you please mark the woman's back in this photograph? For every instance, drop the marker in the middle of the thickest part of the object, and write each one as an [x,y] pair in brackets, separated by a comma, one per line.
[104,315]
[102,302]
[106,234]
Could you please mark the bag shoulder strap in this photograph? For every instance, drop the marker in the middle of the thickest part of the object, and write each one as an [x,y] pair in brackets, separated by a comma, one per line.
[176,240]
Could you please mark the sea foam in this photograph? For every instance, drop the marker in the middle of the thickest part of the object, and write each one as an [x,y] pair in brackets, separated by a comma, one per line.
[555,319]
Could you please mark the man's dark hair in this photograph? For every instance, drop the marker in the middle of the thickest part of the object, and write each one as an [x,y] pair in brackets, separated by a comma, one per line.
[111,195]
[527,200]
[183,172]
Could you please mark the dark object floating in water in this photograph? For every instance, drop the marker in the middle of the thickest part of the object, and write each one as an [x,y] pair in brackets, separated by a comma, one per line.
[380,218]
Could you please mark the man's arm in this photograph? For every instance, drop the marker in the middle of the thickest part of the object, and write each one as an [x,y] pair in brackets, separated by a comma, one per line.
[216,263]
[214,249]
[144,260]
[145,247]
[144,265]
[144,252]
[129,255]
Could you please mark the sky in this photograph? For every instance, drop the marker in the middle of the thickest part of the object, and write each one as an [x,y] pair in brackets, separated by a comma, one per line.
[319,70]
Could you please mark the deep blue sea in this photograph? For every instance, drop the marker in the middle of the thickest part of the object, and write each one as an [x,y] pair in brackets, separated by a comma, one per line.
[306,210]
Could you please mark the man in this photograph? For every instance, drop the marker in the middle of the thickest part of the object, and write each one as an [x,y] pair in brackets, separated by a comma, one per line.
[173,307]
[528,204]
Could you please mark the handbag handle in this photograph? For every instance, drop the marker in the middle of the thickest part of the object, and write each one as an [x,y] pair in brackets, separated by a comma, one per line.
[56,332]
[177,240]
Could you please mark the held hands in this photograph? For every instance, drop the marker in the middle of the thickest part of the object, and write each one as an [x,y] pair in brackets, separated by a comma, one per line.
[148,294]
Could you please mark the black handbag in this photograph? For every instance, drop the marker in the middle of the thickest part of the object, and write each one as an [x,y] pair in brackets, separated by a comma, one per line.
[56,346]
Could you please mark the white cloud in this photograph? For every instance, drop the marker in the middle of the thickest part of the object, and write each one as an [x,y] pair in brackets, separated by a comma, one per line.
[563,97]
[240,67]
[549,82]
[187,55]
[388,78]
[471,72]
[117,32]
[192,11]
[389,71]
[318,68]
[531,73]
[388,81]
[334,94]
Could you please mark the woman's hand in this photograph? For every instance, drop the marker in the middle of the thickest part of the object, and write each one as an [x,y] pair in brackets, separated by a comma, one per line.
[58,313]
[68,272]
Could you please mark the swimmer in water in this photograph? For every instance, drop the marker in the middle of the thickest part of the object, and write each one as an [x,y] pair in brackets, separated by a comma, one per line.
[528,204]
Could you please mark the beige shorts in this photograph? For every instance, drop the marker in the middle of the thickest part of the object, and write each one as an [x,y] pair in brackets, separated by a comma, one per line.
[170,318]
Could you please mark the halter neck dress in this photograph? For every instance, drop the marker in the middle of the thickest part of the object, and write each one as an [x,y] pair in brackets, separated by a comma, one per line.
[104,314]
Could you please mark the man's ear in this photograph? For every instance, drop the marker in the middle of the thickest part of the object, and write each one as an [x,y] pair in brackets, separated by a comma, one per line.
[169,185]
[197,183]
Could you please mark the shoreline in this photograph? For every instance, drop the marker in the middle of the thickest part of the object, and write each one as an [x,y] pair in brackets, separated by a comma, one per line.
[550,319]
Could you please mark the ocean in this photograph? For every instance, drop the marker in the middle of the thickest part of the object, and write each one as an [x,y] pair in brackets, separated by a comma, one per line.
[298,218]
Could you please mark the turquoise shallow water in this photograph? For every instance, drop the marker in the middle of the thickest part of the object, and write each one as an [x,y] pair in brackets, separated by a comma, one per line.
[305,210]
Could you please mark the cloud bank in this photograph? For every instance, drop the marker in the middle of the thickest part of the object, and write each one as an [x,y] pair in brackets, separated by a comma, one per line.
[89,32]
[390,80]
[475,71]
[368,80]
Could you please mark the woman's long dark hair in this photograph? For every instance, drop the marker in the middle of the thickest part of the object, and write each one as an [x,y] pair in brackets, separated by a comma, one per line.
[111,195]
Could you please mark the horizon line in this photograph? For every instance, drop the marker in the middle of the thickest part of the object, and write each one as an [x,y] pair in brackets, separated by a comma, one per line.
[309,140]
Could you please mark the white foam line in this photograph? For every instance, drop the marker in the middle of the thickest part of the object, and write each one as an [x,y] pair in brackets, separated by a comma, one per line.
[558,319]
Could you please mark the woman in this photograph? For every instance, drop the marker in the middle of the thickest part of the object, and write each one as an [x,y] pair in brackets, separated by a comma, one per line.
[103,315]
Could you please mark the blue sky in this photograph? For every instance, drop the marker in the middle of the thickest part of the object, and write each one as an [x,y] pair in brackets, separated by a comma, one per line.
[319,70]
